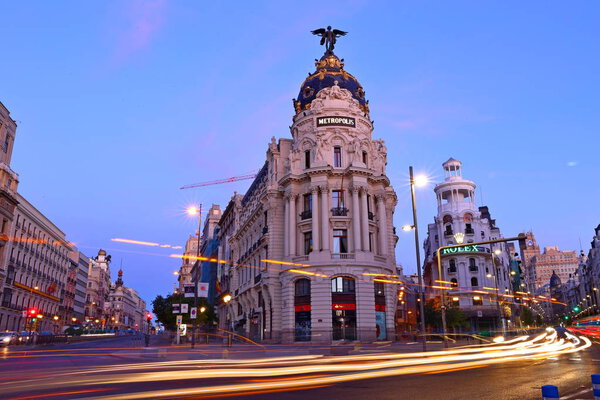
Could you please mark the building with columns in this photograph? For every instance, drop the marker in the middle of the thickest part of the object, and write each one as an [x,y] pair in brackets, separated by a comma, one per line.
[478,274]
[309,239]
[124,308]
[185,271]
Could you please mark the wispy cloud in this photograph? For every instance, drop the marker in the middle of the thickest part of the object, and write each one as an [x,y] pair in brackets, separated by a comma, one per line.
[142,21]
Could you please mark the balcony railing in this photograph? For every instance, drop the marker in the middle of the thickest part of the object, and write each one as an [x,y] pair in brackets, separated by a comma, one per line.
[339,212]
[451,270]
[342,256]
[473,268]
[469,232]
[306,214]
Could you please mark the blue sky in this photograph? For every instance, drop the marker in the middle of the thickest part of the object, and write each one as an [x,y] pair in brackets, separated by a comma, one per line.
[120,103]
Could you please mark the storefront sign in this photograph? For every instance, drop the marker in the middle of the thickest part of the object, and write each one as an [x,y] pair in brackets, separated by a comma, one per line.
[463,249]
[336,121]
[343,306]
[300,308]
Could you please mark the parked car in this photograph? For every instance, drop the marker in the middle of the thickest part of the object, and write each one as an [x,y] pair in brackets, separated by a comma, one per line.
[8,338]
[25,337]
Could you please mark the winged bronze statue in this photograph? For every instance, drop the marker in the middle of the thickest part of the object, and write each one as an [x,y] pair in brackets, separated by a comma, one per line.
[328,37]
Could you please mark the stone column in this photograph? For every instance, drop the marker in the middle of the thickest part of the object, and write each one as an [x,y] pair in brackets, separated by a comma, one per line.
[364,218]
[286,227]
[325,217]
[382,224]
[315,218]
[293,224]
[355,219]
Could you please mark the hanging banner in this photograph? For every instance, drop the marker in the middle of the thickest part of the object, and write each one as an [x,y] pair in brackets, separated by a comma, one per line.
[184,308]
[203,289]
[188,290]
[175,308]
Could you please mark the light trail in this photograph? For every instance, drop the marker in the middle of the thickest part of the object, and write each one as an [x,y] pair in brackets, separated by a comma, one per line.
[297,372]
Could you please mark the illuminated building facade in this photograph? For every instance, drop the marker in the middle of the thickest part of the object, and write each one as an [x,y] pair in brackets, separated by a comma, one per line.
[191,250]
[124,308]
[36,272]
[477,274]
[540,266]
[315,226]
[98,288]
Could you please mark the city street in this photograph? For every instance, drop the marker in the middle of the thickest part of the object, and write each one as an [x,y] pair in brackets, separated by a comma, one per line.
[120,368]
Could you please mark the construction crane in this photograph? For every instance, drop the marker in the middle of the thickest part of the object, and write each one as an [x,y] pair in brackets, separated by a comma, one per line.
[217,182]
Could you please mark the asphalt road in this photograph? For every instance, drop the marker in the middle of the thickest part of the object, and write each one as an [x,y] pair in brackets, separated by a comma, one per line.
[61,365]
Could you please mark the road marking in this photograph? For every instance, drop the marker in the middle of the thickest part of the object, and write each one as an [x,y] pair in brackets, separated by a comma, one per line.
[577,394]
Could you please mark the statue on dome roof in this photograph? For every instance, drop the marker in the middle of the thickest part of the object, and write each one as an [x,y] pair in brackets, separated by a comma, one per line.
[328,37]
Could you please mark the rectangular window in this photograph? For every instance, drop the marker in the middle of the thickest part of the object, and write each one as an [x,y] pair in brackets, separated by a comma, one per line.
[308,245]
[370,241]
[364,157]
[6,142]
[340,241]
[379,289]
[308,202]
[337,156]
[307,159]
[337,199]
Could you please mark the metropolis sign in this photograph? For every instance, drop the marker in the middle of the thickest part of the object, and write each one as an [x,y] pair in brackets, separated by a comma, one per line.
[463,249]
[336,121]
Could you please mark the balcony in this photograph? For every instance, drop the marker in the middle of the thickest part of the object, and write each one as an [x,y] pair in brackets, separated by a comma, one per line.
[451,270]
[306,214]
[473,268]
[342,256]
[448,233]
[469,232]
[339,212]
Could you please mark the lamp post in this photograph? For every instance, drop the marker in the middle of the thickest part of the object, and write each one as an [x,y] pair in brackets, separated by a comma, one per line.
[420,181]
[226,300]
[192,211]
[495,276]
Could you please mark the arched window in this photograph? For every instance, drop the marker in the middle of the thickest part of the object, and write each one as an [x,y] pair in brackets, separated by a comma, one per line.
[302,287]
[342,284]
[474,281]
[472,265]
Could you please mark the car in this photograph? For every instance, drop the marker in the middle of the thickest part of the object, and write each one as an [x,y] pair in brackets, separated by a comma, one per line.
[8,338]
[25,337]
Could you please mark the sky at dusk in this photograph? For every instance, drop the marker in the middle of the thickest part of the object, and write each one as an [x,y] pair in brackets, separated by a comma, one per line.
[120,103]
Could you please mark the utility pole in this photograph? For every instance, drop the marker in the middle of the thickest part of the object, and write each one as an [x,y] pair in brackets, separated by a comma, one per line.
[418,254]
[196,275]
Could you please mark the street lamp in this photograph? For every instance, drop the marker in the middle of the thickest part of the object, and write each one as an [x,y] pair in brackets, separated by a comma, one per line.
[193,210]
[419,180]
[227,299]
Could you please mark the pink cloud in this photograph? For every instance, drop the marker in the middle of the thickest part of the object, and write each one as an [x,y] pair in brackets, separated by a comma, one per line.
[142,20]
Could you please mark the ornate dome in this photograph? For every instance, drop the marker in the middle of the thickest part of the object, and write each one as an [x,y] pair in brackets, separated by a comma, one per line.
[329,69]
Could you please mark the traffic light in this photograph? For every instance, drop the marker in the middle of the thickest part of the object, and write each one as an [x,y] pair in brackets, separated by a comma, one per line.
[566,317]
[576,309]
[32,312]
[148,317]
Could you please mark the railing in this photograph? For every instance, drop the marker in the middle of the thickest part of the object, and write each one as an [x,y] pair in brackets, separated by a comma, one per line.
[469,232]
[339,212]
[342,256]
[300,258]
[371,216]
[306,214]
[451,270]
[473,268]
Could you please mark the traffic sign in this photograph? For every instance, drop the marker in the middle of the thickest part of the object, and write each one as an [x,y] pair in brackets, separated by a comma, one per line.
[182,329]
[193,312]
[184,308]
[188,290]
[179,319]
[175,308]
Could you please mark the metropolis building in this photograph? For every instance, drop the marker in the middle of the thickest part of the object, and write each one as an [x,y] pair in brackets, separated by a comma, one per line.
[307,242]
[479,276]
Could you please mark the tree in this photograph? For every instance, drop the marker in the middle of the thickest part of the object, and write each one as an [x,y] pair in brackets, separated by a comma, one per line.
[455,318]
[527,316]
[433,314]
[162,307]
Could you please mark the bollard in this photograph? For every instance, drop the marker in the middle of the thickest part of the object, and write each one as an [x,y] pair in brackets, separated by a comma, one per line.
[550,392]
[596,386]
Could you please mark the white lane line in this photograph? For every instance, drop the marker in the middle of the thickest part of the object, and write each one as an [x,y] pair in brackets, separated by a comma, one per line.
[575,396]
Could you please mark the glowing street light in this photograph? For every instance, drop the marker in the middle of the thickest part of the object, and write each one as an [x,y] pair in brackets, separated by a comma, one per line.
[193,210]
[420,180]
[202,309]
[407,228]
[227,298]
